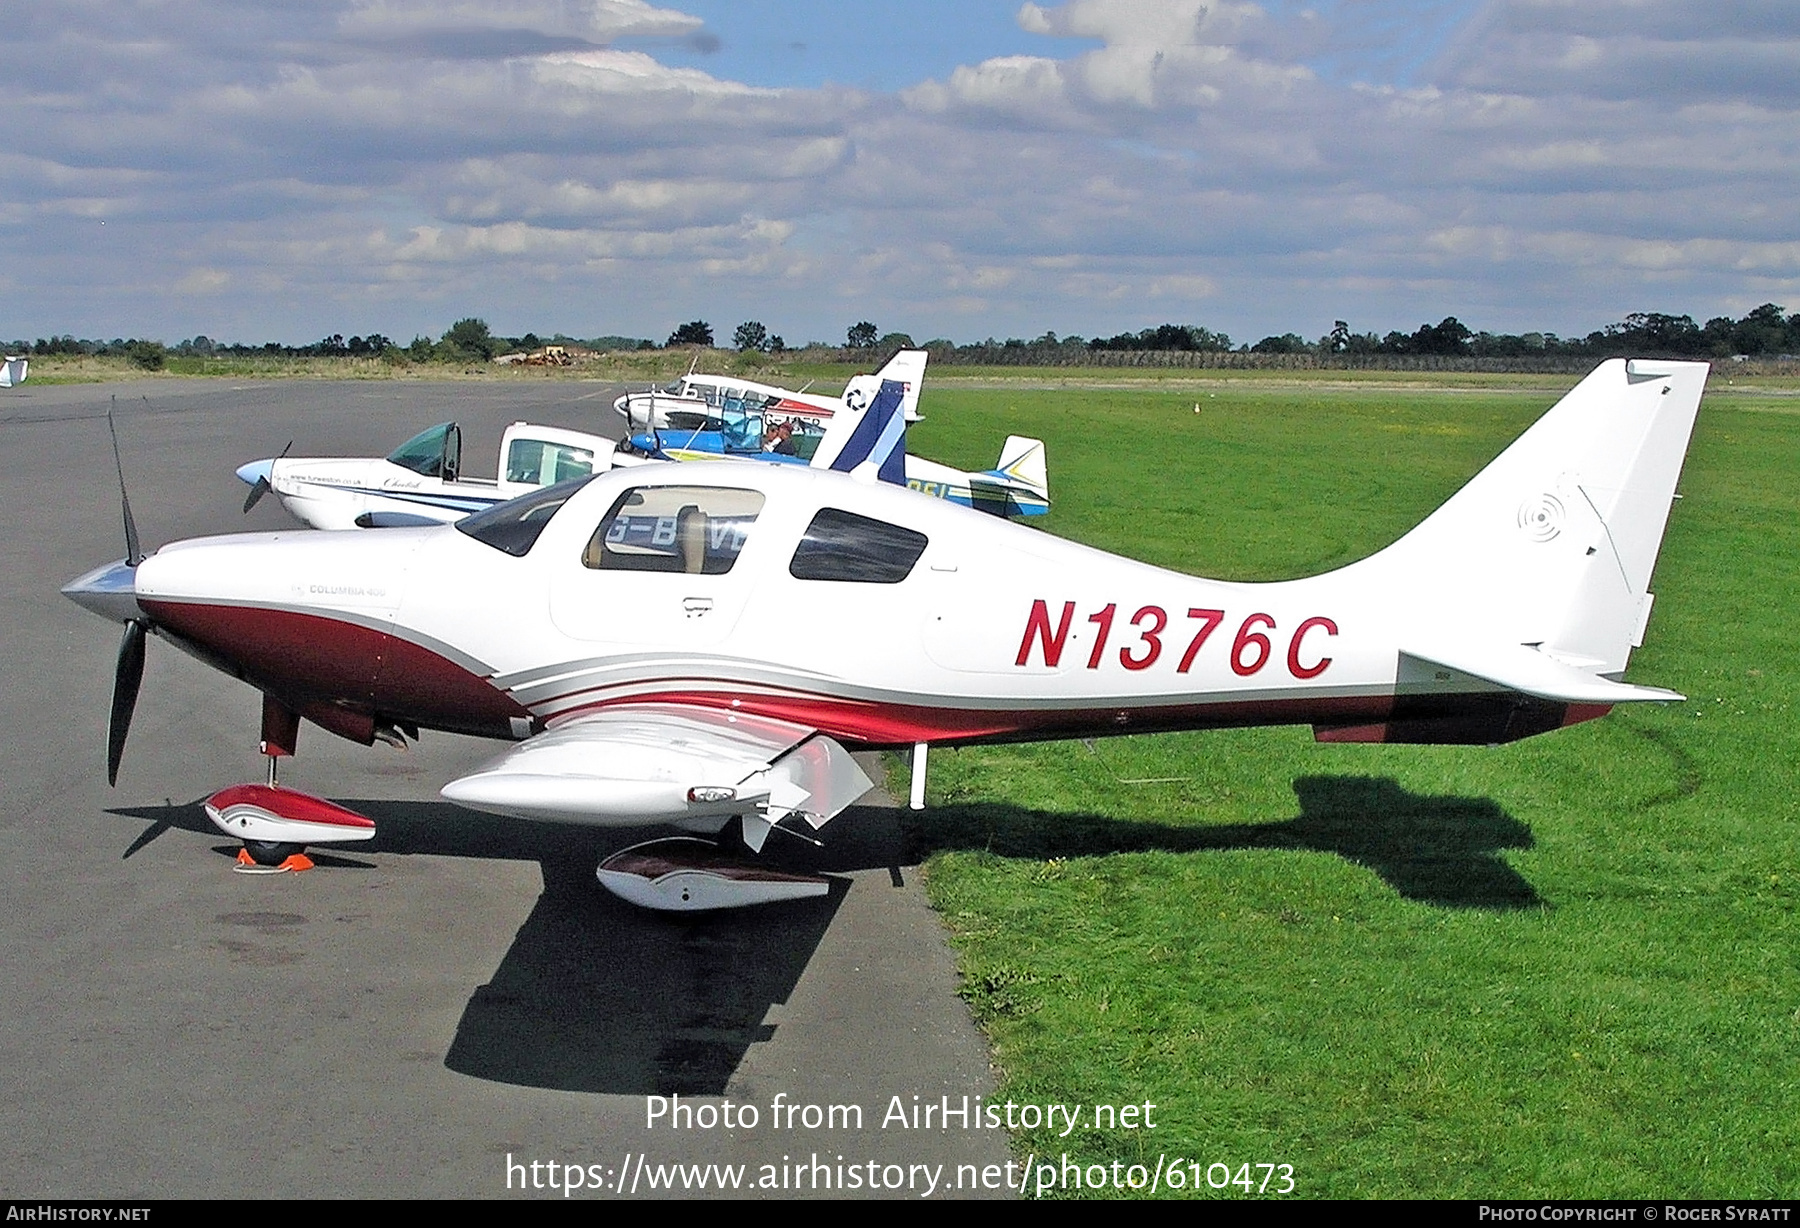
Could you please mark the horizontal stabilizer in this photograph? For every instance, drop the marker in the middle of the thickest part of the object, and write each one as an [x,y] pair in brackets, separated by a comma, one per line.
[1530,672]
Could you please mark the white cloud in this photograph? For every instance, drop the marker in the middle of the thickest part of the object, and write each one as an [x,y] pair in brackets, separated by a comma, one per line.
[594,21]
[1557,165]
[203,282]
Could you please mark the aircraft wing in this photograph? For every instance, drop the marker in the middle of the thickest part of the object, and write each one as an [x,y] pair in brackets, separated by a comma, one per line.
[645,763]
[1528,671]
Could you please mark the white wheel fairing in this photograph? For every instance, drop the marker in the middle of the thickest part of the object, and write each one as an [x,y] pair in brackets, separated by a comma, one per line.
[284,816]
[684,874]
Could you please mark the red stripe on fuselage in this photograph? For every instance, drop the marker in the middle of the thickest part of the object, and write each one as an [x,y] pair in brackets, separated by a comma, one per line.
[881,724]
[306,660]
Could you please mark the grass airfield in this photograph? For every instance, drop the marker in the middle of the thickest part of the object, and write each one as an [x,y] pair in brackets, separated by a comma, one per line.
[1566,967]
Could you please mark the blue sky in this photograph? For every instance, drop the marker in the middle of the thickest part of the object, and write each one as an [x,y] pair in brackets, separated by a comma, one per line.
[286,169]
[809,43]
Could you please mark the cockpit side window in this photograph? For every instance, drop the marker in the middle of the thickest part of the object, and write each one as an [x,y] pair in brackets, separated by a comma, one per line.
[844,546]
[698,530]
[514,526]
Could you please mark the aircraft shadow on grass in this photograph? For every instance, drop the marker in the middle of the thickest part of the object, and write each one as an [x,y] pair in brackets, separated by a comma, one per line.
[1435,850]
[595,995]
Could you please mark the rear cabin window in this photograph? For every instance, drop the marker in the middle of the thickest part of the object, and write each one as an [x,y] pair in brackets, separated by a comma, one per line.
[542,463]
[697,530]
[844,546]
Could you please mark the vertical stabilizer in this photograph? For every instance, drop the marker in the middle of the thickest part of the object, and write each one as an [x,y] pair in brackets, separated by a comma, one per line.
[1553,544]
[850,440]
[875,449]
[1022,460]
[907,368]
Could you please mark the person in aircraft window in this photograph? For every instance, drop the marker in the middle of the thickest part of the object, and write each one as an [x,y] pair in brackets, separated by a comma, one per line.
[780,439]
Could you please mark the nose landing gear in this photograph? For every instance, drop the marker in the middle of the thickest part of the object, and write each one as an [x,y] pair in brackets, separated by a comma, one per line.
[277,824]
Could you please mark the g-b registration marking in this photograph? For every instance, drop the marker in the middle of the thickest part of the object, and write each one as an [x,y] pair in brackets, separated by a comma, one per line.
[1251,648]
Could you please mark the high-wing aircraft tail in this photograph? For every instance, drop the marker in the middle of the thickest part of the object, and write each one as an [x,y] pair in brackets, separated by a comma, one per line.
[1551,547]
[13,371]
[907,367]
[1019,484]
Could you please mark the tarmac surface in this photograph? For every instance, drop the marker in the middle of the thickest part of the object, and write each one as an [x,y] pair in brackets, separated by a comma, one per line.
[432,1012]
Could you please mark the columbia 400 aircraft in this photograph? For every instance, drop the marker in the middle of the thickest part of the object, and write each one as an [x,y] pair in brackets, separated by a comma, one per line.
[631,635]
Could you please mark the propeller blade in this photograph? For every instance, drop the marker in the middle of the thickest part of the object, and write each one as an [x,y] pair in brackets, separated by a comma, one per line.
[134,554]
[126,680]
[261,486]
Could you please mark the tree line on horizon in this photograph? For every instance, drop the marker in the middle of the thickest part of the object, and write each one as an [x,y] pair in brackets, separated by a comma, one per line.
[1764,331]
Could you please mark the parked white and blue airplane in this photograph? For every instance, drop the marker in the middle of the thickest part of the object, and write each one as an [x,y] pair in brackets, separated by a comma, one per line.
[701,402]
[421,482]
[872,408]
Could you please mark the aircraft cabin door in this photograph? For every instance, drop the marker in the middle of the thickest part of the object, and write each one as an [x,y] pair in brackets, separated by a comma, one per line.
[663,557]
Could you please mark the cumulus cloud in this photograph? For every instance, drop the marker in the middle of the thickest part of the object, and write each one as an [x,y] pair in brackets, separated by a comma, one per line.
[593,21]
[1630,49]
[290,165]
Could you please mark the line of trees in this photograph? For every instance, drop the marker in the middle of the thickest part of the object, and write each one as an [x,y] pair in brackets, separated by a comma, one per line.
[1766,331]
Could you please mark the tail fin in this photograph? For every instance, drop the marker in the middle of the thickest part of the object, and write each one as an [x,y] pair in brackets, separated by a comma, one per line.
[1019,485]
[907,367]
[875,446]
[1023,460]
[871,426]
[1553,544]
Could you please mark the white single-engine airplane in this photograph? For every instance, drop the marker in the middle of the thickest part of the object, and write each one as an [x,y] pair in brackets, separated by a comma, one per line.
[701,402]
[422,482]
[632,634]
[13,371]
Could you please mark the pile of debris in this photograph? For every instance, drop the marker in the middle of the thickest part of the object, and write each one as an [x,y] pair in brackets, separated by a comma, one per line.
[549,356]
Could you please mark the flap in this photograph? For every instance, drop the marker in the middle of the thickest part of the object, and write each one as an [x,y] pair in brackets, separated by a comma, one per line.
[645,763]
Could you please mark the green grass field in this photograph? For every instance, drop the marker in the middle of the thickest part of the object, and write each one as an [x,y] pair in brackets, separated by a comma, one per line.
[1566,967]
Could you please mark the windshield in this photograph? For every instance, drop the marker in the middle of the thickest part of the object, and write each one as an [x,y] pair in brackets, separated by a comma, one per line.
[514,526]
[424,452]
